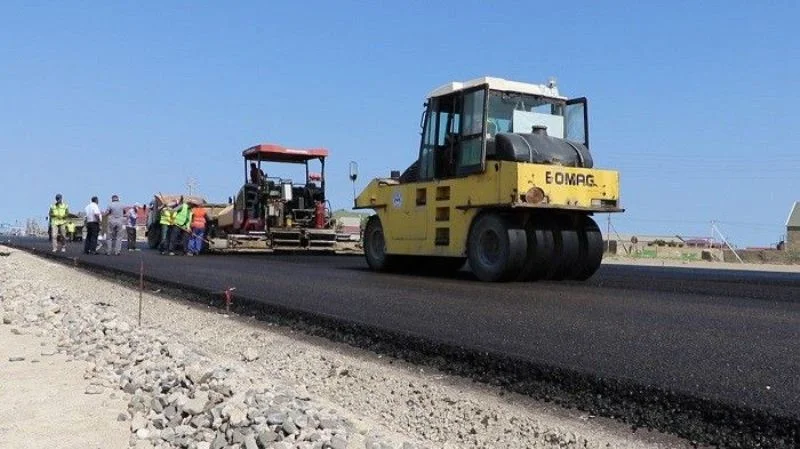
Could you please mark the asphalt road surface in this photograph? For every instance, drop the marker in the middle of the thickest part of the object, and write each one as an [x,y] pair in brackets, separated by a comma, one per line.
[730,336]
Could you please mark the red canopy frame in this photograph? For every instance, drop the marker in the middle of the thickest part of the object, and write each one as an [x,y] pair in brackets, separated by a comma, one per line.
[268,152]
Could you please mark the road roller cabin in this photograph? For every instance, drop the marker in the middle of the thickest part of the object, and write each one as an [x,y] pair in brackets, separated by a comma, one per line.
[504,179]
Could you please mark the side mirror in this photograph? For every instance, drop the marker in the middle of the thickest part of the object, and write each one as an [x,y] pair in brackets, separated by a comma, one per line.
[353,176]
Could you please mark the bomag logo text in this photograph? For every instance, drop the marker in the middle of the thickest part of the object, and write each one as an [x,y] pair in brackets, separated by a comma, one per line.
[569,179]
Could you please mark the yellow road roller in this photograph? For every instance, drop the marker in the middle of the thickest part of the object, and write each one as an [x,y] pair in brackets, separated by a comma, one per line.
[504,180]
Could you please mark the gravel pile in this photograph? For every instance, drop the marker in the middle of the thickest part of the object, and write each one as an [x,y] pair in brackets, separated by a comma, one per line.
[177,397]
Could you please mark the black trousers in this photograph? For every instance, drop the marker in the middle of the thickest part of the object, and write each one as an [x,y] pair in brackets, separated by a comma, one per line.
[178,237]
[92,232]
[131,237]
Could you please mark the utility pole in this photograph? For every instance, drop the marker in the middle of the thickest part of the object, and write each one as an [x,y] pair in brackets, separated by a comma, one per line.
[714,229]
[191,186]
[711,236]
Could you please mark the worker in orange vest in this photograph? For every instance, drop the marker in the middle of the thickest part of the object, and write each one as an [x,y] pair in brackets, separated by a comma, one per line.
[198,226]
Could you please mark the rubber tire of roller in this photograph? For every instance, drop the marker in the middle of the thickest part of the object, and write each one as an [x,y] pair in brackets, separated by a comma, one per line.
[591,256]
[541,249]
[377,259]
[568,250]
[512,247]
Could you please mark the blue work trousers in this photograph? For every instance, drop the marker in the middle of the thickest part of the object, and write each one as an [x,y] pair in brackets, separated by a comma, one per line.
[196,240]
[164,242]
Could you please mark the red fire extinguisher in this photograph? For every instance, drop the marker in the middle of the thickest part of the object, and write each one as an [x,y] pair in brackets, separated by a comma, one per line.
[319,215]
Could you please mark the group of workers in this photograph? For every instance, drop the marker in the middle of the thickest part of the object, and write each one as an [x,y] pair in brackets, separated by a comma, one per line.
[62,226]
[182,222]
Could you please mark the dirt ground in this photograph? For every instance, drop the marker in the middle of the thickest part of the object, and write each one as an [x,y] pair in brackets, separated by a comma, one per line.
[615,260]
[44,404]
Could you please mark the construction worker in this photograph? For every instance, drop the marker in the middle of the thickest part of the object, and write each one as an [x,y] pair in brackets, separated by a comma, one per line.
[181,229]
[166,220]
[116,222]
[58,220]
[70,231]
[199,220]
[256,174]
[93,219]
[130,227]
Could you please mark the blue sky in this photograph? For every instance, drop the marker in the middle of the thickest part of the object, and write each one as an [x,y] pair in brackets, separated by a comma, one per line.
[695,103]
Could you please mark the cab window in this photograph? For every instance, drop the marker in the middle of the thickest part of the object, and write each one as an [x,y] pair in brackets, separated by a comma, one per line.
[453,135]
[428,144]
[470,150]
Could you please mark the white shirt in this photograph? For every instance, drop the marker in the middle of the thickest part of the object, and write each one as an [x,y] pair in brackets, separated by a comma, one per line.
[92,213]
[132,217]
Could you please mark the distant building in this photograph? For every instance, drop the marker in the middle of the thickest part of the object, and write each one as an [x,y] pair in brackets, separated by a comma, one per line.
[793,228]
[674,241]
[647,240]
[664,247]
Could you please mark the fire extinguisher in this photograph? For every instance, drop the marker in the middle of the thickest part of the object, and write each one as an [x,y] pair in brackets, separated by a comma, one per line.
[319,215]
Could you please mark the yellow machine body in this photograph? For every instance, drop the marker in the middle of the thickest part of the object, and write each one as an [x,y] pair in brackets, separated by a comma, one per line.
[433,218]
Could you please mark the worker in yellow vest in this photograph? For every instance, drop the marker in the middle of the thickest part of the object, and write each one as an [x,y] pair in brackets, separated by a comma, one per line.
[181,229]
[70,231]
[58,220]
[167,222]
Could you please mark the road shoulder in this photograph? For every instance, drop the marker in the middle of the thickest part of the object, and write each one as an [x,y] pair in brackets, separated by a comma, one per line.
[45,402]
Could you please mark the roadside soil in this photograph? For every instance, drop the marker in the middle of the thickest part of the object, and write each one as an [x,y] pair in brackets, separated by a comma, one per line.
[616,260]
[43,399]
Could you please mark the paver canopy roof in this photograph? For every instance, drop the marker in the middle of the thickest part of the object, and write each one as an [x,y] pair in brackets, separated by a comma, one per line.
[277,153]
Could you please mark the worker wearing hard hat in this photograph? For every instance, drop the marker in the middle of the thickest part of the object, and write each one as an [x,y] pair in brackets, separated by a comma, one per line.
[58,220]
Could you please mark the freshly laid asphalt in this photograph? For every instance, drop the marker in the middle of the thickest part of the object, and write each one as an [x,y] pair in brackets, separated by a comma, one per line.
[729,336]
